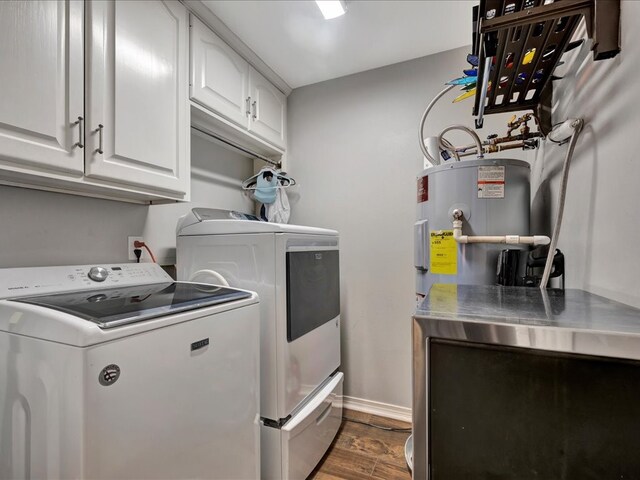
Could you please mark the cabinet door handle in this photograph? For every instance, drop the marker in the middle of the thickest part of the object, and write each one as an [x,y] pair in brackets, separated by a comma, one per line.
[248,101]
[255,110]
[78,122]
[100,127]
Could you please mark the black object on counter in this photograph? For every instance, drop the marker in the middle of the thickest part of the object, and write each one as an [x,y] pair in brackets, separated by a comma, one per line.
[536,264]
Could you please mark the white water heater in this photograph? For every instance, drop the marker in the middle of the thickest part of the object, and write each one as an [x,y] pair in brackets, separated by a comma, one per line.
[493,196]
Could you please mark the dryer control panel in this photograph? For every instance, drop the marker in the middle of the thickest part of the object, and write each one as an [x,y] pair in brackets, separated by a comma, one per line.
[20,282]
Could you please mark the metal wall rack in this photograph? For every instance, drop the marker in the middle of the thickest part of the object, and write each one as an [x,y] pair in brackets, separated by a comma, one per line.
[521,77]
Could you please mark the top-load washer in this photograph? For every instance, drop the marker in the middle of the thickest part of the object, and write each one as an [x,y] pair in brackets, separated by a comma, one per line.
[118,372]
[295,271]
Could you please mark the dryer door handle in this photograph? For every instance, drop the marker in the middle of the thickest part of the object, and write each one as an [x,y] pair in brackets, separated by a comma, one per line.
[218,279]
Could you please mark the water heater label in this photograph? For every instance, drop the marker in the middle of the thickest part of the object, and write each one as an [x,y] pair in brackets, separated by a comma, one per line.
[423,189]
[491,182]
[443,252]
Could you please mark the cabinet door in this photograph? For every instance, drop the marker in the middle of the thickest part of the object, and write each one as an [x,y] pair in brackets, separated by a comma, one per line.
[137,90]
[41,84]
[268,110]
[219,76]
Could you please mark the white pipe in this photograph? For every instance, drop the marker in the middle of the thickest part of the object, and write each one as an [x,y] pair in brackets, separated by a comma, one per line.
[424,119]
[560,135]
[508,239]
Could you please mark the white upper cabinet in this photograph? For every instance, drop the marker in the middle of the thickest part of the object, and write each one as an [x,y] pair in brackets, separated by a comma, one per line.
[94,97]
[268,109]
[219,76]
[137,94]
[41,85]
[226,85]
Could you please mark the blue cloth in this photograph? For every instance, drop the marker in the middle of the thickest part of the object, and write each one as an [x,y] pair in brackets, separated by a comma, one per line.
[266,186]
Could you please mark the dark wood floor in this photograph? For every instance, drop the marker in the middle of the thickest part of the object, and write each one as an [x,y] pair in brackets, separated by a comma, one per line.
[363,452]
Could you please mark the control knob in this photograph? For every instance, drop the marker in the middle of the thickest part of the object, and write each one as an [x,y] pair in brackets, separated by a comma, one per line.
[98,274]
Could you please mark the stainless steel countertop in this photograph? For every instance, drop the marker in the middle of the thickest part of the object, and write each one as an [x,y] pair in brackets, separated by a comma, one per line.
[573,322]
[519,306]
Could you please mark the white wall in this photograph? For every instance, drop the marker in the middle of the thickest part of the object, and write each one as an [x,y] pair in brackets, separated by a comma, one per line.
[216,177]
[353,147]
[600,224]
[41,228]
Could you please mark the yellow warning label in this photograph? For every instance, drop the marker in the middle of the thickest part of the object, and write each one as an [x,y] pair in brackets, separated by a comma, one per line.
[443,252]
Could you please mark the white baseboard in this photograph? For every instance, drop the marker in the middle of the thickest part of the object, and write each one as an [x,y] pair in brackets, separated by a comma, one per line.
[378,408]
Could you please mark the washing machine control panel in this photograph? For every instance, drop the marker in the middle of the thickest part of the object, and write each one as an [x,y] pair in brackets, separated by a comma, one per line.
[19,282]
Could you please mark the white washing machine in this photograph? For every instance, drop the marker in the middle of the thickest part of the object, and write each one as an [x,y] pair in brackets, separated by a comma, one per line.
[295,271]
[117,372]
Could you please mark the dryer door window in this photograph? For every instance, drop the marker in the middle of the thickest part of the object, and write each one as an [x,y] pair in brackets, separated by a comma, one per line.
[313,290]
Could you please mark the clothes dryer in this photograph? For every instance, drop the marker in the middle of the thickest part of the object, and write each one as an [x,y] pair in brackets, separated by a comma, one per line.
[295,271]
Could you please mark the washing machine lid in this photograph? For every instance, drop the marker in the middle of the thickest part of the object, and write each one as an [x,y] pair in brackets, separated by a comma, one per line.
[211,221]
[113,307]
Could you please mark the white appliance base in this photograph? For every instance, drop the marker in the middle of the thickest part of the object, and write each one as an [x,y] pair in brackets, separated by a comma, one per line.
[293,451]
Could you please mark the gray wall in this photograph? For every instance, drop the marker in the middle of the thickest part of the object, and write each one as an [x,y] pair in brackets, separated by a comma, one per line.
[600,224]
[353,147]
[41,228]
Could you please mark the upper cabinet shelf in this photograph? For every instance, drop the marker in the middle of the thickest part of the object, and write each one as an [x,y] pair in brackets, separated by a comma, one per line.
[240,100]
[526,40]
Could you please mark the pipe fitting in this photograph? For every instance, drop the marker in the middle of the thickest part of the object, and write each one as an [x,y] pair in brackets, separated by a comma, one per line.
[457,229]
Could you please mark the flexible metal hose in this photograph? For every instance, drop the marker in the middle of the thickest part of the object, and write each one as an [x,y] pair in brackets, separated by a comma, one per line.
[446,145]
[577,127]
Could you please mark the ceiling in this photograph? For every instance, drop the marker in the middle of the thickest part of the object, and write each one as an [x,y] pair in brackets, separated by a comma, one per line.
[303,48]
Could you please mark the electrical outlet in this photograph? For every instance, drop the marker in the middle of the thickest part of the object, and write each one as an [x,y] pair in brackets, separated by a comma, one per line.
[131,248]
